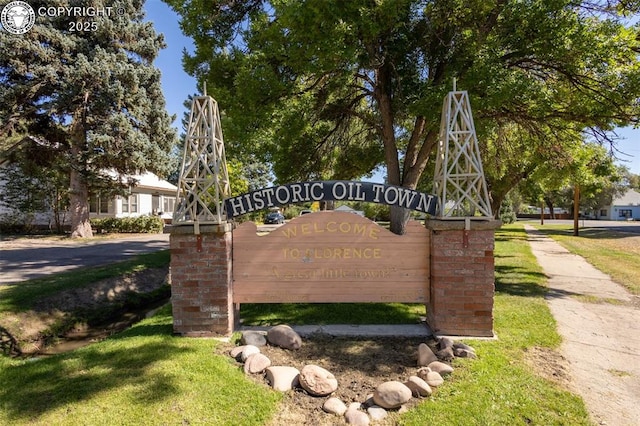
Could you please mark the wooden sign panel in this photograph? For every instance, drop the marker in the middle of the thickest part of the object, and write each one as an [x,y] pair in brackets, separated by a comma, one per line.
[330,257]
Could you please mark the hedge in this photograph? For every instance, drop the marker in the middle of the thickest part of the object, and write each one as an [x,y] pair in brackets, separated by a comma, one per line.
[140,224]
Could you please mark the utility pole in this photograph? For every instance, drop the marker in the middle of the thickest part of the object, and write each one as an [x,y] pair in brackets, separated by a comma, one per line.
[576,209]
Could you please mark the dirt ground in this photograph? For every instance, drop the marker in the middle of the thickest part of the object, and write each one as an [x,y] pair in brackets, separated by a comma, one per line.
[359,364]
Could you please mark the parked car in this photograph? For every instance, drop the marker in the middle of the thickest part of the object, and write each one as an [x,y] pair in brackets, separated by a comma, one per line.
[274,217]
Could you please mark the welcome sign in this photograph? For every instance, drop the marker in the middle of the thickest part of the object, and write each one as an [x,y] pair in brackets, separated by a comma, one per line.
[336,190]
[330,257]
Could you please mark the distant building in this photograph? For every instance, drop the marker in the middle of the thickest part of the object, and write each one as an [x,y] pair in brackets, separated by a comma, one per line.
[347,209]
[625,207]
[149,196]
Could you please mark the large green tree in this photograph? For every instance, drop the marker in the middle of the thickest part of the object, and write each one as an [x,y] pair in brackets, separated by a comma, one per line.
[93,96]
[334,77]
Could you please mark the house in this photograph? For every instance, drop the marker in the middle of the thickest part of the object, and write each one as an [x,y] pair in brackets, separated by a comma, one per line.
[150,195]
[624,207]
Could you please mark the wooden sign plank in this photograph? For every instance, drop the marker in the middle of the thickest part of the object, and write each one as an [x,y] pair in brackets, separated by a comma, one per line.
[330,257]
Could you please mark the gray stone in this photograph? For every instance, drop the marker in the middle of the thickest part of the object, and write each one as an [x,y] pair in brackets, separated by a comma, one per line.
[247,351]
[445,342]
[354,416]
[391,394]
[236,352]
[441,367]
[255,338]
[460,345]
[284,337]
[317,381]
[377,413]
[434,379]
[465,353]
[418,386]
[283,378]
[368,401]
[425,355]
[334,405]
[256,363]
[445,354]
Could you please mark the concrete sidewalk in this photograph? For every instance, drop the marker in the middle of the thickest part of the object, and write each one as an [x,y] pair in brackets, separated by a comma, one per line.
[601,338]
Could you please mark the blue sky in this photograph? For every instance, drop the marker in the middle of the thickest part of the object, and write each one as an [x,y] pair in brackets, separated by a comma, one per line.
[177,85]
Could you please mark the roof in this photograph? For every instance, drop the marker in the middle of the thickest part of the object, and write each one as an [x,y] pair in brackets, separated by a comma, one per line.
[629,198]
[147,180]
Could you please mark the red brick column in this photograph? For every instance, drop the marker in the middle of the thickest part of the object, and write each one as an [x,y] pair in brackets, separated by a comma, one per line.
[201,280]
[462,277]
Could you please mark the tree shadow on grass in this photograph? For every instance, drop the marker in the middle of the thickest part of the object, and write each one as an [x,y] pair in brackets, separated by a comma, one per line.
[37,386]
[592,233]
[330,313]
[518,281]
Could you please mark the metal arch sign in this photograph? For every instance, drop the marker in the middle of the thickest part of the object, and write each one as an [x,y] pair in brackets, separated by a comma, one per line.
[336,190]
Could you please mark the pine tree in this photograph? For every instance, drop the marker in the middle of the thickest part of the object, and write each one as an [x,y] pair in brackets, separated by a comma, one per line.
[93,95]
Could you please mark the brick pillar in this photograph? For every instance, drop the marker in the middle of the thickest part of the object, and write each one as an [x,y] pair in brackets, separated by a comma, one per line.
[462,277]
[201,280]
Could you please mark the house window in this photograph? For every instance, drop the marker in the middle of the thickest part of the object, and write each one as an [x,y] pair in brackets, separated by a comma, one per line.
[626,213]
[130,204]
[168,204]
[98,204]
[603,212]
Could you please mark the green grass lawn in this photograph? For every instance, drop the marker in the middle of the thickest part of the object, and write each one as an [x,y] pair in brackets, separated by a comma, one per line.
[148,376]
[144,376]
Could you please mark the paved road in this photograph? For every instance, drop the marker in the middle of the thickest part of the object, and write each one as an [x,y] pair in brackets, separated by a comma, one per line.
[25,259]
[631,227]
[601,341]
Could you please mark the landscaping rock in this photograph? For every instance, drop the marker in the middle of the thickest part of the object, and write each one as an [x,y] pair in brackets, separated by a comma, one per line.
[460,345]
[317,381]
[434,379]
[236,352]
[465,353]
[445,354]
[284,337]
[247,351]
[334,405]
[377,413]
[445,342]
[391,394]
[441,367]
[255,338]
[283,378]
[425,355]
[368,401]
[354,416]
[256,363]
[418,386]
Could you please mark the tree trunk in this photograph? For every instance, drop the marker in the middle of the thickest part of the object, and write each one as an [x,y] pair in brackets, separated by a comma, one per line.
[79,206]
[552,212]
[399,218]
[79,190]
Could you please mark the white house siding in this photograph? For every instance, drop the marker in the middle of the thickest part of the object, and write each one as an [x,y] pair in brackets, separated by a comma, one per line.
[626,207]
[148,185]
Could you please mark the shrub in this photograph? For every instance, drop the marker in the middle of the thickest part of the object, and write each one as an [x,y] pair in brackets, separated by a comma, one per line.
[140,224]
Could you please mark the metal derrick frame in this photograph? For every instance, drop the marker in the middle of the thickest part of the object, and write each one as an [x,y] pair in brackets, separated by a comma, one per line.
[204,179]
[459,179]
